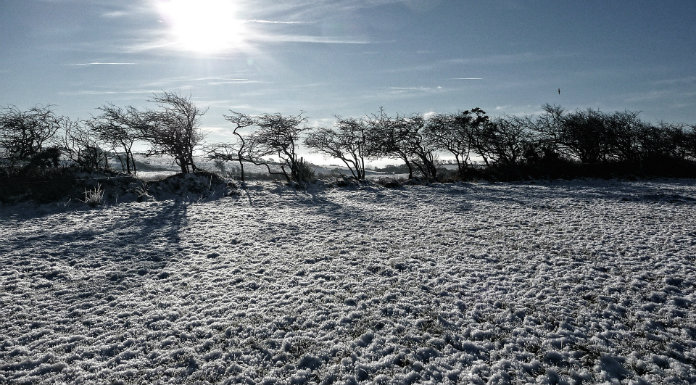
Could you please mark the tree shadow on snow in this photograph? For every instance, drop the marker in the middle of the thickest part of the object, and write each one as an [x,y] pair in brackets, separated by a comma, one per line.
[102,259]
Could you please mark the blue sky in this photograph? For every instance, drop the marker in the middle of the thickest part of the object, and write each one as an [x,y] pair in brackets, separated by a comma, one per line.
[327,57]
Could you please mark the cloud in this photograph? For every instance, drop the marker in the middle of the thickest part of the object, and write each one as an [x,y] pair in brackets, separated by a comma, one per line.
[312,39]
[651,96]
[120,10]
[676,81]
[518,110]
[114,14]
[417,89]
[96,63]
[108,92]
[490,60]
[212,129]
[232,81]
[467,78]
[270,22]
[215,80]
[261,21]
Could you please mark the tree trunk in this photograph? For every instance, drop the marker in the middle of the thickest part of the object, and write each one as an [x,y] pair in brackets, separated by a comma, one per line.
[410,168]
[241,168]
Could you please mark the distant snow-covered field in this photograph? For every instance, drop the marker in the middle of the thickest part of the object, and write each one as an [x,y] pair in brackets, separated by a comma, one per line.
[585,281]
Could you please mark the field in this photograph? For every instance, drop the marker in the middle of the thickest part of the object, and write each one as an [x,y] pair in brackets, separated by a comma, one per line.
[559,282]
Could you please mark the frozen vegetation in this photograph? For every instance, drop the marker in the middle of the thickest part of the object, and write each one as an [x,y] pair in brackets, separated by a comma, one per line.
[563,282]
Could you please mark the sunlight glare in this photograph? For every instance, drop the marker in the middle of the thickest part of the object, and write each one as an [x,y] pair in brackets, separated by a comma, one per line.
[203,26]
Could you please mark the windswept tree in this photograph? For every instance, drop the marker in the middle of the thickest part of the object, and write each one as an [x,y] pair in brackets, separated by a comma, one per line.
[506,139]
[584,136]
[453,133]
[347,141]
[419,146]
[25,134]
[173,129]
[390,139]
[81,146]
[279,135]
[404,137]
[119,128]
[662,141]
[690,142]
[239,151]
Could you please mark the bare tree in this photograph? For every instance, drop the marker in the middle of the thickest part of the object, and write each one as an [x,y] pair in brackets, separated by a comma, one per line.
[279,135]
[390,139]
[689,142]
[418,145]
[23,134]
[173,129]
[505,140]
[347,142]
[82,146]
[120,129]
[582,135]
[454,134]
[238,151]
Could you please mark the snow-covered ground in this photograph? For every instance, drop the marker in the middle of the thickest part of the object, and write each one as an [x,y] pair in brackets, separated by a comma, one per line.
[568,282]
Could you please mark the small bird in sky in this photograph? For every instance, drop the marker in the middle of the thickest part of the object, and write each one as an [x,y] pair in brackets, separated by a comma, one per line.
[559,91]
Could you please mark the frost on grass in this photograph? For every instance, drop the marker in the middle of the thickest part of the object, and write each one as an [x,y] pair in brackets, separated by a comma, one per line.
[569,282]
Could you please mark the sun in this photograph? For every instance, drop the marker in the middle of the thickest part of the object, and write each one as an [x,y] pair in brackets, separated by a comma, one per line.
[202,26]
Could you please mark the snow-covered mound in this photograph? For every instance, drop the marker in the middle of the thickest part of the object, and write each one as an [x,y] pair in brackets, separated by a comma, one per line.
[199,184]
[565,282]
[74,186]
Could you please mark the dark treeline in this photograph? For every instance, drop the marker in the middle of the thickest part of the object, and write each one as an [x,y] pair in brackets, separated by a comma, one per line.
[554,144]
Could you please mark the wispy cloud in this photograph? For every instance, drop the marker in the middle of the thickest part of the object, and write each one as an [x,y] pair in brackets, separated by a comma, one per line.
[320,9]
[212,129]
[676,81]
[114,14]
[416,89]
[467,78]
[261,21]
[232,81]
[312,39]
[654,95]
[96,63]
[490,60]
[517,110]
[217,80]
[108,92]
[298,21]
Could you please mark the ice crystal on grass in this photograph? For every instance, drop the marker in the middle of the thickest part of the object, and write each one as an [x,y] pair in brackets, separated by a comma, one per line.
[561,282]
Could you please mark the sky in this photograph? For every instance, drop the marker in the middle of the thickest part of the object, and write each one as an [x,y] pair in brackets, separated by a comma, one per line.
[348,58]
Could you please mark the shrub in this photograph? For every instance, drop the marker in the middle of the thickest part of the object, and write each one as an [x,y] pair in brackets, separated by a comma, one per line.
[95,196]
[23,134]
[305,173]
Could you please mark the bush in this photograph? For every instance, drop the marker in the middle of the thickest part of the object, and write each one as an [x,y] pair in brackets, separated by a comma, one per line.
[41,185]
[305,172]
[95,196]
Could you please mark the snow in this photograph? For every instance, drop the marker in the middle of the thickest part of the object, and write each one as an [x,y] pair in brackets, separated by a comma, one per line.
[553,282]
